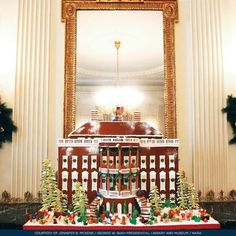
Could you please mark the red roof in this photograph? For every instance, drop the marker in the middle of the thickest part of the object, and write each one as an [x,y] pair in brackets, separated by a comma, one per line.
[96,128]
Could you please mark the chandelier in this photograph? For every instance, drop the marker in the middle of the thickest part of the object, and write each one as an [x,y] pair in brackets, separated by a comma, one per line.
[118,101]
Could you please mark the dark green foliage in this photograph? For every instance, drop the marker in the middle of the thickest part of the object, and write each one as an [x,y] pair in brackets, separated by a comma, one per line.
[165,215]
[85,222]
[113,208]
[102,209]
[133,221]
[125,208]
[150,222]
[168,203]
[152,214]
[230,109]
[134,216]
[97,213]
[82,216]
[6,124]
[135,213]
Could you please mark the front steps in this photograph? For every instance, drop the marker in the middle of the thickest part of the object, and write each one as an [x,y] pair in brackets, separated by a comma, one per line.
[144,207]
[92,207]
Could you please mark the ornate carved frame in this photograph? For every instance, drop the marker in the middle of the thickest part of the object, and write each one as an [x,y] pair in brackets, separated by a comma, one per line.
[170,16]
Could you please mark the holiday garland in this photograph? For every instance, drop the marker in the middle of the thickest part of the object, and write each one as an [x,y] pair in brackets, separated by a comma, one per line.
[230,109]
[6,124]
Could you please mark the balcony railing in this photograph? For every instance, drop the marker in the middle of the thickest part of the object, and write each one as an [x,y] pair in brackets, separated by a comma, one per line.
[121,171]
[125,193]
[111,193]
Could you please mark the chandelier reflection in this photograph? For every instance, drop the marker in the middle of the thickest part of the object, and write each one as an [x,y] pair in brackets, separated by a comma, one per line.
[118,102]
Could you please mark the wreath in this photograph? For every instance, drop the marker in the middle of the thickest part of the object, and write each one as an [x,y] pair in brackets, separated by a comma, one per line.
[6,124]
[230,109]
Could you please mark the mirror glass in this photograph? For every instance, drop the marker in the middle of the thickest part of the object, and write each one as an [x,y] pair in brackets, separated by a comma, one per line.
[130,77]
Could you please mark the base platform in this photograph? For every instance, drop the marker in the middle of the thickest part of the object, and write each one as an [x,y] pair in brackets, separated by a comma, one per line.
[188,225]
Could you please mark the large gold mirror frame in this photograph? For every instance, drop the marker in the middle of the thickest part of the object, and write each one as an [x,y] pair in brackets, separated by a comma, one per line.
[170,16]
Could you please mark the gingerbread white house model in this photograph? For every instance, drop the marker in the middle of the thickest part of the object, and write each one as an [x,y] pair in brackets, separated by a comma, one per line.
[114,160]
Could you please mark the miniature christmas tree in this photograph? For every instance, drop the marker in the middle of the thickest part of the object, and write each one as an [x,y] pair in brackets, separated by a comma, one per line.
[48,185]
[113,208]
[192,197]
[80,199]
[125,208]
[58,202]
[154,198]
[182,191]
[134,216]
[82,217]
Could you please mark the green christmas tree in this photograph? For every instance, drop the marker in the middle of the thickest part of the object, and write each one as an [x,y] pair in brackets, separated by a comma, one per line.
[58,201]
[6,124]
[134,216]
[80,199]
[154,198]
[192,197]
[113,207]
[48,185]
[125,208]
[182,191]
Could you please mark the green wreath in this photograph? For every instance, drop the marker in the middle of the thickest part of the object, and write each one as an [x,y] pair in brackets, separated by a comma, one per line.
[6,124]
[230,109]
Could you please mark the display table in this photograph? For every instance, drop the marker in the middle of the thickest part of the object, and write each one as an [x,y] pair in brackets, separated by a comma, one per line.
[186,225]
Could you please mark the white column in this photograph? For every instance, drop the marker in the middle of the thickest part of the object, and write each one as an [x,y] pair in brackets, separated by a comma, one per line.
[31,96]
[210,150]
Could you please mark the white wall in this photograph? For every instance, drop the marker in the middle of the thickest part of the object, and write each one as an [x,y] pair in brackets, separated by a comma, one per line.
[229,53]
[8,35]
[56,81]
[184,74]
[184,100]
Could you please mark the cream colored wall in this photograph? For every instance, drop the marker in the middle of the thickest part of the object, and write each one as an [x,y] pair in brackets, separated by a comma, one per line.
[184,84]
[8,35]
[229,53]
[184,98]
[56,81]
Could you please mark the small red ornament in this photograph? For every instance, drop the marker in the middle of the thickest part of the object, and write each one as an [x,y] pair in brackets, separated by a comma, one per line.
[188,215]
[177,211]
[45,212]
[171,213]
[71,217]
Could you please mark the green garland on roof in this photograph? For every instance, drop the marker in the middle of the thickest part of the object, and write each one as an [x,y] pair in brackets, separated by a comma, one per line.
[6,124]
[230,109]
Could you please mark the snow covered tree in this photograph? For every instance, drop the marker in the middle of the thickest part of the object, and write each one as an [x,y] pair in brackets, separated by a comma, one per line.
[58,201]
[48,184]
[182,191]
[154,198]
[80,199]
[192,197]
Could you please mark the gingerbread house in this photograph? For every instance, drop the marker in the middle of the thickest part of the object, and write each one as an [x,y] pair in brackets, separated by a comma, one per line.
[115,160]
